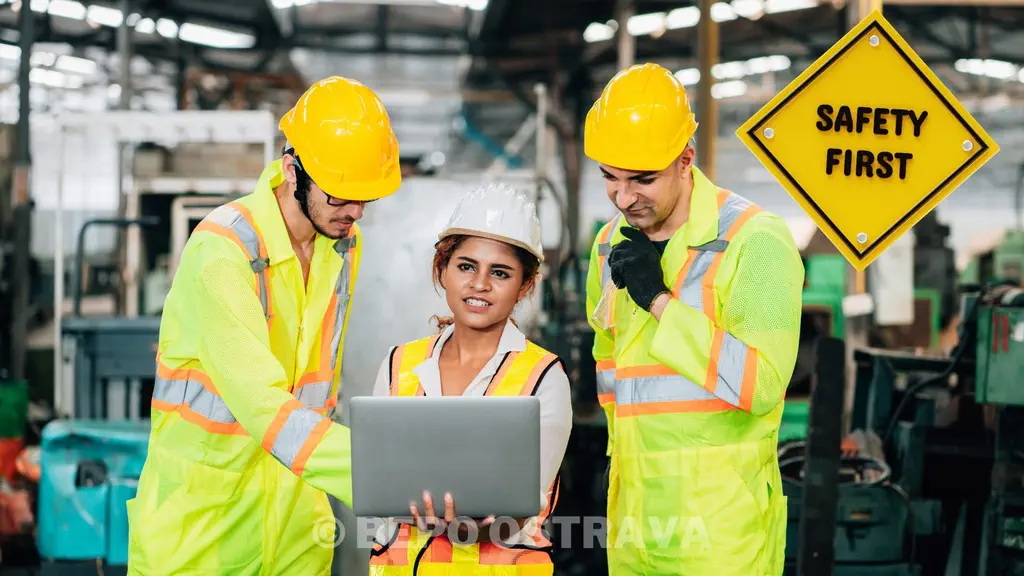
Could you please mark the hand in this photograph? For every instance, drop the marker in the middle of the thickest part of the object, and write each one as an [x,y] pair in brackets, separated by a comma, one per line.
[636,266]
[429,522]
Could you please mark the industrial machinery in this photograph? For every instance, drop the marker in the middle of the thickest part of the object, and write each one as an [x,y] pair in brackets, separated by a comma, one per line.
[935,483]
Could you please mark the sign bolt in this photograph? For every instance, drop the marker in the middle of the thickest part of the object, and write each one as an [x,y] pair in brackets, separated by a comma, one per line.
[769,133]
[862,237]
[968,145]
[873,40]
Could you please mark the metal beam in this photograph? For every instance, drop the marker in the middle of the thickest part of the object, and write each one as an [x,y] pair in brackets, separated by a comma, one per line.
[21,207]
[925,32]
[382,28]
[326,44]
[707,105]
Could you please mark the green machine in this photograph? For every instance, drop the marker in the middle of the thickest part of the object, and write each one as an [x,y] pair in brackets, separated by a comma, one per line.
[1005,261]
[945,493]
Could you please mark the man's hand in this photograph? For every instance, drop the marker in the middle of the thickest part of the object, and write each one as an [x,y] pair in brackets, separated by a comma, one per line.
[636,266]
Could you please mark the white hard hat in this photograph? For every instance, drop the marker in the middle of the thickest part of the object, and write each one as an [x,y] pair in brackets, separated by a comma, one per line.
[499,212]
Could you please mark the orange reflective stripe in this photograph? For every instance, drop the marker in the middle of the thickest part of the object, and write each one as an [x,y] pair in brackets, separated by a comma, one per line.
[439,551]
[708,282]
[324,372]
[604,248]
[711,379]
[312,441]
[293,435]
[506,363]
[644,371]
[657,389]
[432,344]
[395,552]
[191,393]
[677,286]
[207,226]
[605,381]
[185,374]
[224,221]
[265,284]
[278,423]
[539,370]
[749,380]
[673,407]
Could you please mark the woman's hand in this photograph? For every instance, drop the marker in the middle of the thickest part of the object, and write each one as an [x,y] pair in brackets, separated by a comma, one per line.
[470,531]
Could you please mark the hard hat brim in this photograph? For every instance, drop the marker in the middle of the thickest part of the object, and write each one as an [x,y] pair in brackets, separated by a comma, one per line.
[490,236]
[350,191]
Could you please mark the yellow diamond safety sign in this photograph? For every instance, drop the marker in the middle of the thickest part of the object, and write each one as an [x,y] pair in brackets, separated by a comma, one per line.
[867,140]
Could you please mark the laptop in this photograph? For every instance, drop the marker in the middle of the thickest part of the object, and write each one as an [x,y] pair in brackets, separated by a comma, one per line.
[484,450]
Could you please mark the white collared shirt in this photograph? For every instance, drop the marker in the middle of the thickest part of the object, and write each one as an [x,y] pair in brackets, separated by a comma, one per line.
[553,391]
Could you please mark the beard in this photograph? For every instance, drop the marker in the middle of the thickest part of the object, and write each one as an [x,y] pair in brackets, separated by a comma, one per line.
[323,225]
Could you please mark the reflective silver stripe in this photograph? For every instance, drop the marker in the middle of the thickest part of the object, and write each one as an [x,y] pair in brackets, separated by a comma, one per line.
[646,389]
[192,394]
[731,363]
[606,382]
[733,207]
[317,394]
[343,247]
[314,394]
[603,250]
[293,435]
[692,292]
[229,217]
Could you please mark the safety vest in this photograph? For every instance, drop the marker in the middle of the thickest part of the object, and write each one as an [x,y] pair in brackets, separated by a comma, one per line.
[693,483]
[411,552]
[190,392]
[215,497]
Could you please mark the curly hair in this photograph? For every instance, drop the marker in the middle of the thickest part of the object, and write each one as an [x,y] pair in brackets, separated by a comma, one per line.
[445,249]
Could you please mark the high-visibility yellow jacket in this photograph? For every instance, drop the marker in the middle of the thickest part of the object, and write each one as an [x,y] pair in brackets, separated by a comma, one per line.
[694,400]
[241,451]
[414,553]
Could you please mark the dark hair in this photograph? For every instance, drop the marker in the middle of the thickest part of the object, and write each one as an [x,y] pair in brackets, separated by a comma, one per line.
[443,252]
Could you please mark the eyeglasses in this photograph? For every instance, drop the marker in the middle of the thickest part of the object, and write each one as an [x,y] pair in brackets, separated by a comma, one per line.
[331,200]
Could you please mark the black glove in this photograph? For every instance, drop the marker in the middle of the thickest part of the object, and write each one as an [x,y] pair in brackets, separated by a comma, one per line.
[636,266]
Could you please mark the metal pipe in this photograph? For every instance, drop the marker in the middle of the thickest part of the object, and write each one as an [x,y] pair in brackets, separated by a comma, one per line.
[21,202]
[708,48]
[627,42]
[541,165]
[127,242]
[61,401]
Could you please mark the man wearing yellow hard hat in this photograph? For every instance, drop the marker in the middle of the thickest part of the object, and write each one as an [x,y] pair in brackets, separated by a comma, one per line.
[242,452]
[694,293]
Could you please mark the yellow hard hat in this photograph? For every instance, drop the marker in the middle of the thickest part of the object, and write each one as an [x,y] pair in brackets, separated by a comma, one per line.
[642,121]
[342,135]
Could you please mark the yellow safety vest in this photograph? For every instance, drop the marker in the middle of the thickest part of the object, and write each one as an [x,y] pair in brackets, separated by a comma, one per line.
[693,412]
[241,449]
[411,552]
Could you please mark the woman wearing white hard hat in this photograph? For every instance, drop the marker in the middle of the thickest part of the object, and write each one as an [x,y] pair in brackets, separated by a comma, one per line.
[487,260]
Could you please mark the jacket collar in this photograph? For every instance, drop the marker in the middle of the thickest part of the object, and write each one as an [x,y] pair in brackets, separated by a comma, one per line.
[512,339]
[702,225]
[267,213]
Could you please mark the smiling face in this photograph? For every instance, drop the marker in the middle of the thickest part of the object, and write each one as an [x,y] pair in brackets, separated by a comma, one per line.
[483,279]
